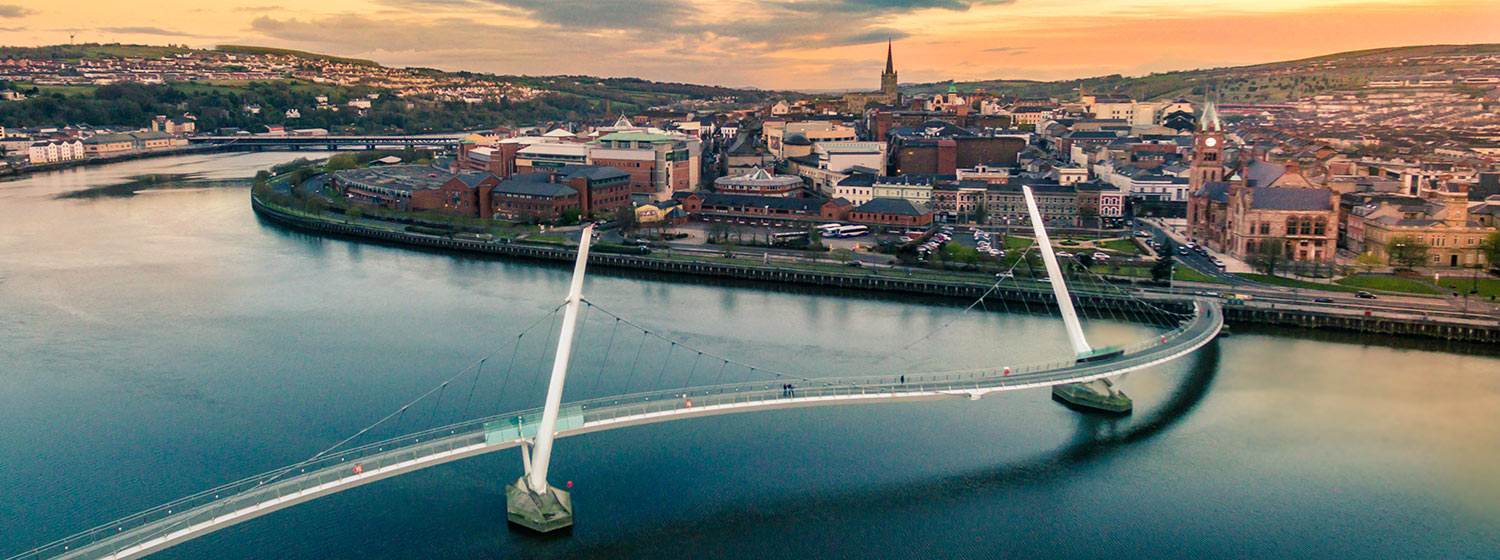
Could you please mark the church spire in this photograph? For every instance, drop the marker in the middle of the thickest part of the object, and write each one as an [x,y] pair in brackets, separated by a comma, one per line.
[890,65]
[1210,122]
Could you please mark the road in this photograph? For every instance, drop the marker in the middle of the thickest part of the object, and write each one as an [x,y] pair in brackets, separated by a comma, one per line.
[1193,260]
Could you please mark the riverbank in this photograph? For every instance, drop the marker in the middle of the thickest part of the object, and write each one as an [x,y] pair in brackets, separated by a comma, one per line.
[15,172]
[1435,326]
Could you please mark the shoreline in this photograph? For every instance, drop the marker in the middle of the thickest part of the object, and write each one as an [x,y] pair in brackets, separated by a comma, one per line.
[1442,328]
[18,172]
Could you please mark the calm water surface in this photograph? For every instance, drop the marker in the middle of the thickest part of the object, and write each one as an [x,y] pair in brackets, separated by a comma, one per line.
[157,339]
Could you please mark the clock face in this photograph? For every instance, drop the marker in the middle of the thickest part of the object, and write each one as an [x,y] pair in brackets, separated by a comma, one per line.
[1211,142]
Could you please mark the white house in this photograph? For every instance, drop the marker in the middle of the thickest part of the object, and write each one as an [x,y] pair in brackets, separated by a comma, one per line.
[55,151]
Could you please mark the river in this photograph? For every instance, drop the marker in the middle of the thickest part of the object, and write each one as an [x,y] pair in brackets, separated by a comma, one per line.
[157,338]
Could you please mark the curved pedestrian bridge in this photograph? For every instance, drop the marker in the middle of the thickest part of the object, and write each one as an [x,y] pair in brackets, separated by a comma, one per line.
[188,518]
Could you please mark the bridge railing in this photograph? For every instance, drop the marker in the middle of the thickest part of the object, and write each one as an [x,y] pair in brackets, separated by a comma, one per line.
[334,468]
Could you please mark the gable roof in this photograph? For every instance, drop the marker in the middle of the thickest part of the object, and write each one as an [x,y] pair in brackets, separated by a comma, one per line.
[473,178]
[593,172]
[1290,199]
[1262,173]
[893,206]
[1217,192]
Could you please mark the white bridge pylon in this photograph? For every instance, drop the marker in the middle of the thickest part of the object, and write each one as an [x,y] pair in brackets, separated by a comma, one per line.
[546,431]
[1054,274]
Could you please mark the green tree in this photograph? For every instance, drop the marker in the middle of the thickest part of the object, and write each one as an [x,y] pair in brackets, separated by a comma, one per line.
[814,237]
[625,217]
[1162,270]
[1490,248]
[1269,253]
[1407,252]
[341,162]
[316,205]
[1367,262]
[354,213]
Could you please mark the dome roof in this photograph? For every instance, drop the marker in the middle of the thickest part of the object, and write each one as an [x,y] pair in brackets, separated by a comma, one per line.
[796,139]
[760,179]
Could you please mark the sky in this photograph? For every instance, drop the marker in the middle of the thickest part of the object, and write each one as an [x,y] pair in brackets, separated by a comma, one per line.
[774,44]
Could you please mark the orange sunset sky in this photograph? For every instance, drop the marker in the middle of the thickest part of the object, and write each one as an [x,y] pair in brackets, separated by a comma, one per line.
[793,44]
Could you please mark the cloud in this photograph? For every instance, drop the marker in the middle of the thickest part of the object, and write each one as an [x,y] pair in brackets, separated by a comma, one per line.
[678,40]
[885,6]
[875,35]
[144,30]
[14,11]
[603,14]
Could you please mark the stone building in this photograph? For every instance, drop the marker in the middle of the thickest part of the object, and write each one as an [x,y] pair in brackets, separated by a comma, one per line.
[1239,213]
[1441,218]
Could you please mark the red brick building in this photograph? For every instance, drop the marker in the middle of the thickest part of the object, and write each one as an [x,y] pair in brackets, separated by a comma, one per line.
[592,190]
[762,210]
[459,195]
[891,212]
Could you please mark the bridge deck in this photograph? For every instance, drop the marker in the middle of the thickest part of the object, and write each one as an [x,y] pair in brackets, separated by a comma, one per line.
[194,516]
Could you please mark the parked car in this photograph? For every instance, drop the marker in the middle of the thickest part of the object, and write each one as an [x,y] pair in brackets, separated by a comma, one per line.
[1365,295]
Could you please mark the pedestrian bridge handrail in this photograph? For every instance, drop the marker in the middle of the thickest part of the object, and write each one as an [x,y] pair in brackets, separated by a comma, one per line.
[186,518]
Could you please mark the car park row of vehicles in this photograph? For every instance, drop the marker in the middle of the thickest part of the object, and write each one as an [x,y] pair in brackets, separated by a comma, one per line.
[982,243]
[936,241]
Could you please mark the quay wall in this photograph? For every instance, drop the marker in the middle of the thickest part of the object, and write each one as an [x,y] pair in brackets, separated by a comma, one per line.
[1437,327]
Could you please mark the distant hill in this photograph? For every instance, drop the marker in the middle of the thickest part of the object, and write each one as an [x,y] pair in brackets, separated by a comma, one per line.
[248,49]
[308,95]
[1268,82]
[91,51]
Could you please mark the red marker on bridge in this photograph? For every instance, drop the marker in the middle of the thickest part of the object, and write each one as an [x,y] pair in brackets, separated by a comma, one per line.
[1007,370]
[359,468]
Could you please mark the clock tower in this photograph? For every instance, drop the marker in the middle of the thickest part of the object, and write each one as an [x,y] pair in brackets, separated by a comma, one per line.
[1205,224]
[1208,150]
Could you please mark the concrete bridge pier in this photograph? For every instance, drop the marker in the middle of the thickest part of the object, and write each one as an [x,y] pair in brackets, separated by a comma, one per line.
[1099,394]
[544,512]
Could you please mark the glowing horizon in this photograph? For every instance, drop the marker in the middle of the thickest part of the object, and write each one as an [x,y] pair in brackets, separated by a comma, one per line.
[779,44]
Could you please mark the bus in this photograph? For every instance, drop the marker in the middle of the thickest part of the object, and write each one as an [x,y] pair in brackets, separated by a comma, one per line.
[779,239]
[847,231]
[825,228]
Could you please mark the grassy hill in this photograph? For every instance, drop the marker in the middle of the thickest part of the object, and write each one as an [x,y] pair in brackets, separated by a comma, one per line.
[91,51]
[220,103]
[248,49]
[1268,82]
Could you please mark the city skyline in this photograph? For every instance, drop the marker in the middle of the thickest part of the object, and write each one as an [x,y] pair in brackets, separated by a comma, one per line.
[805,45]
